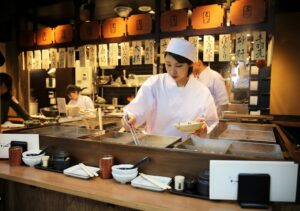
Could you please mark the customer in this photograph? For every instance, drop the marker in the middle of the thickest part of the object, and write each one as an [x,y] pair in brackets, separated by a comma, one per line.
[76,99]
[173,97]
[213,80]
[8,100]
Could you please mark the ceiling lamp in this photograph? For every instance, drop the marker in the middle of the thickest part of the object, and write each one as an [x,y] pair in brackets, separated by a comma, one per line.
[145,8]
[122,11]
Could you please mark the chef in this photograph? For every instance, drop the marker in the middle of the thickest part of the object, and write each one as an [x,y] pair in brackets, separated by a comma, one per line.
[76,99]
[173,97]
[214,81]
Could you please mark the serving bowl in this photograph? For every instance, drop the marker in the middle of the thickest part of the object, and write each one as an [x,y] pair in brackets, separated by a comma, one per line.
[116,169]
[49,112]
[124,178]
[32,160]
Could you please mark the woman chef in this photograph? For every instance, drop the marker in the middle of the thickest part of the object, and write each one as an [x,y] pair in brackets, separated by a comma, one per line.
[76,99]
[173,97]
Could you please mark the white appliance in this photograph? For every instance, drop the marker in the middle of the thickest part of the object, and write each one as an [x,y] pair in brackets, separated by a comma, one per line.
[84,78]
[223,178]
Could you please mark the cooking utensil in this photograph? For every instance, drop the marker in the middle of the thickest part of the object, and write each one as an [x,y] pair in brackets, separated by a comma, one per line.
[88,171]
[136,164]
[155,182]
[131,128]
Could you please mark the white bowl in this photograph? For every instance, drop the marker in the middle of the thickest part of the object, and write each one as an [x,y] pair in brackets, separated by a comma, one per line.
[124,178]
[33,151]
[189,127]
[35,160]
[115,169]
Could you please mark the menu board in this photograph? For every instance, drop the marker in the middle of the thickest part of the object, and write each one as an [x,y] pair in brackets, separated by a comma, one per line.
[149,51]
[92,55]
[82,56]
[37,60]
[113,54]
[125,53]
[259,47]
[53,57]
[71,57]
[208,48]
[163,47]
[45,59]
[29,60]
[224,47]
[137,52]
[195,41]
[61,57]
[241,46]
[103,52]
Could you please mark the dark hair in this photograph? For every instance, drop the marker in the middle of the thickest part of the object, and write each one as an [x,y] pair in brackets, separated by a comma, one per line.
[6,80]
[73,88]
[181,59]
[200,57]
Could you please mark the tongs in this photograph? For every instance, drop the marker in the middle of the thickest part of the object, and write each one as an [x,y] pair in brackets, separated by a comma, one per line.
[132,129]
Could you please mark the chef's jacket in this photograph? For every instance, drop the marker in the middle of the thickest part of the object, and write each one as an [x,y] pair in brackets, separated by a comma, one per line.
[162,104]
[216,85]
[84,102]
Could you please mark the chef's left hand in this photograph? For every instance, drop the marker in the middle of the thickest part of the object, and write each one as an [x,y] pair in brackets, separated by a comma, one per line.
[202,132]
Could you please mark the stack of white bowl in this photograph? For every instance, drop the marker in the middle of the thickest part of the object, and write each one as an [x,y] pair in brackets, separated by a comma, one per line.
[124,175]
[32,160]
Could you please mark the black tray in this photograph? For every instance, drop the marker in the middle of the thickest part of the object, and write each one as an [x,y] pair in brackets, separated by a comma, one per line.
[49,168]
[172,190]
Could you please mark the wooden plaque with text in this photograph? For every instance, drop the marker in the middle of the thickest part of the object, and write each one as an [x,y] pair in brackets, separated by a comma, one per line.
[139,24]
[174,20]
[205,17]
[89,30]
[247,12]
[44,36]
[63,33]
[114,27]
[26,38]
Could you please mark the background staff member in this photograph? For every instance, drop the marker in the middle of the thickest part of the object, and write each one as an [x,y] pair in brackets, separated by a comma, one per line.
[173,97]
[8,100]
[76,99]
[213,80]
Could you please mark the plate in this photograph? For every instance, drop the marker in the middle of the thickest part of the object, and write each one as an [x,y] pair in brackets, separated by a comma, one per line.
[189,127]
[76,171]
[140,182]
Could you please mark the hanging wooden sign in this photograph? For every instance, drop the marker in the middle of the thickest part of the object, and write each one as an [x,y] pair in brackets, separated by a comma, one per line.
[139,24]
[259,46]
[137,52]
[37,60]
[45,59]
[82,56]
[195,41]
[61,57]
[63,33]
[29,60]
[241,46]
[71,57]
[21,59]
[224,47]
[44,36]
[113,54]
[53,57]
[92,52]
[149,51]
[247,12]
[103,55]
[26,39]
[163,46]
[125,53]
[205,17]
[114,27]
[174,20]
[89,30]
[208,48]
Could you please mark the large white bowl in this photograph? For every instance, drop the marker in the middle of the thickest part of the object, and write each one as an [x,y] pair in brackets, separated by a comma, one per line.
[124,178]
[116,169]
[33,151]
[32,161]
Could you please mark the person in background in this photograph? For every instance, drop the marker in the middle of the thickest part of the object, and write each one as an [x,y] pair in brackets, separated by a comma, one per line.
[213,80]
[8,100]
[174,97]
[76,99]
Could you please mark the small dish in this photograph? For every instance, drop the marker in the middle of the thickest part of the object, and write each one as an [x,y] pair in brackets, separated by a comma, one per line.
[76,171]
[140,182]
[189,127]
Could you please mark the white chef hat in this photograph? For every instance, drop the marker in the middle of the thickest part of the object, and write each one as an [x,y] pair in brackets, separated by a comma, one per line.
[182,48]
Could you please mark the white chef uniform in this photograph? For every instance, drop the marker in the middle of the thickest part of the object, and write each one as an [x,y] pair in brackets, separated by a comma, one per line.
[162,104]
[216,85]
[84,102]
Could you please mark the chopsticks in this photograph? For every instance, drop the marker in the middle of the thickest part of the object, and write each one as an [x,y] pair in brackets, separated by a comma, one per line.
[87,170]
[132,129]
[155,181]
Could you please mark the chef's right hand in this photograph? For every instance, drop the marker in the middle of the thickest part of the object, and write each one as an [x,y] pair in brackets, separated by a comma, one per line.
[130,120]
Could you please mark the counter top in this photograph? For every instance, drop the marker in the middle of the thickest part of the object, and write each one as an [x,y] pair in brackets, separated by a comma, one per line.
[109,191]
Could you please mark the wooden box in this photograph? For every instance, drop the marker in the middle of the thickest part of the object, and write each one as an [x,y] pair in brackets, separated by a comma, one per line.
[174,20]
[139,24]
[114,27]
[89,30]
[44,36]
[205,17]
[63,33]
[26,38]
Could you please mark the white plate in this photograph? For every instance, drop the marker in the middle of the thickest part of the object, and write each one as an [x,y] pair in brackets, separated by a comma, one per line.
[76,171]
[140,182]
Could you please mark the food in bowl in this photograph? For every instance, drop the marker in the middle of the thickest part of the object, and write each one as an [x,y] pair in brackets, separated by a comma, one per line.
[190,126]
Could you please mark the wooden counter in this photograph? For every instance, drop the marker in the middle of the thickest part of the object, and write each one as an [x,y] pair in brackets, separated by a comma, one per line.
[109,191]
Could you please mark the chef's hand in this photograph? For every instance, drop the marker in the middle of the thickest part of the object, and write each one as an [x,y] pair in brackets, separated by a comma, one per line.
[202,131]
[130,120]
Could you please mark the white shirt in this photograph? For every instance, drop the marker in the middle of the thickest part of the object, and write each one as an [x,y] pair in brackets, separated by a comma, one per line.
[84,102]
[161,104]
[216,85]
